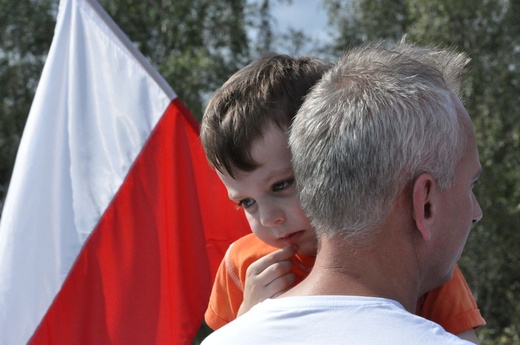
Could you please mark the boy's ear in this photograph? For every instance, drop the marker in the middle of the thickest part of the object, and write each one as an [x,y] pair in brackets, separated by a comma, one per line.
[423,204]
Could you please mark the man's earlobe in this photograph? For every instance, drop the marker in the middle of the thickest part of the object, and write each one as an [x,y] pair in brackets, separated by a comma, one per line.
[422,208]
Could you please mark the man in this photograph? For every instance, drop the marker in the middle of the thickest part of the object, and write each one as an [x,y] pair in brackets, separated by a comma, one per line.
[385,158]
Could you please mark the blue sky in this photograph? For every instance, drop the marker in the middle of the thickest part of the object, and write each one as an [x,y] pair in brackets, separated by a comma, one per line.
[306,15]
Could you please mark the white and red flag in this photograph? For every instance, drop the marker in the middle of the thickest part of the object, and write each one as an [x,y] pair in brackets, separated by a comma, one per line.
[113,224]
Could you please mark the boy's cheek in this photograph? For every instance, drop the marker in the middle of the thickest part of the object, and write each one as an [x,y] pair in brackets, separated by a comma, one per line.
[253,223]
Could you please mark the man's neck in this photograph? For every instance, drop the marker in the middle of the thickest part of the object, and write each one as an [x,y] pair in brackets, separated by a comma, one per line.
[377,271]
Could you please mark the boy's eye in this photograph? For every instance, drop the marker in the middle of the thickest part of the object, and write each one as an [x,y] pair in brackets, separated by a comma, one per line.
[246,203]
[283,185]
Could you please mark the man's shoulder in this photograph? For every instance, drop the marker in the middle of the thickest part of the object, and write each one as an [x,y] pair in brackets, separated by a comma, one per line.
[361,320]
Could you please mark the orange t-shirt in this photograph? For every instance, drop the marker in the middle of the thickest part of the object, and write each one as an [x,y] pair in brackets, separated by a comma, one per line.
[450,305]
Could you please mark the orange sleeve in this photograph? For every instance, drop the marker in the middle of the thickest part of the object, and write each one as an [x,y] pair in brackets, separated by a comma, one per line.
[226,294]
[452,306]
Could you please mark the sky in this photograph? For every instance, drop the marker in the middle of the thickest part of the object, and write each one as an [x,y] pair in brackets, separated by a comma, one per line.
[306,15]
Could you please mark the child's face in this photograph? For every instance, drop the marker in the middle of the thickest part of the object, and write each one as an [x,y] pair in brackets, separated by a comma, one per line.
[268,195]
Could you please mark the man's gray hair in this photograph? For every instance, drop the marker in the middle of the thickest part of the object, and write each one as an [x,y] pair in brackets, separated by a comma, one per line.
[382,116]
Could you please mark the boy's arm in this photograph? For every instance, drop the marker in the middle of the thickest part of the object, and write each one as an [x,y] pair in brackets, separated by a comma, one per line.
[453,307]
[226,295]
[268,277]
[230,282]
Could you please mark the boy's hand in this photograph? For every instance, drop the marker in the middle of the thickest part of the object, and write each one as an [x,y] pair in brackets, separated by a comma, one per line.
[268,277]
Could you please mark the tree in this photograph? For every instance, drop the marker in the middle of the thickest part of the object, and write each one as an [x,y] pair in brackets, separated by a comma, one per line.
[195,44]
[359,21]
[489,32]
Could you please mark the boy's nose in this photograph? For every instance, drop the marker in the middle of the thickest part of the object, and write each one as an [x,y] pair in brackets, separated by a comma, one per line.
[271,217]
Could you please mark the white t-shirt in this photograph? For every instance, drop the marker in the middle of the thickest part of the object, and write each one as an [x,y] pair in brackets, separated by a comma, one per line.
[331,320]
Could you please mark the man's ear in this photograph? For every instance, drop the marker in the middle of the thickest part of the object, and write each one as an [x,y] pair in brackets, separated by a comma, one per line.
[423,207]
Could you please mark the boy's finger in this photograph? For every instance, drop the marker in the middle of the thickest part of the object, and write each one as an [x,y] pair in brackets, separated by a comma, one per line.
[281,284]
[263,263]
[271,281]
[273,272]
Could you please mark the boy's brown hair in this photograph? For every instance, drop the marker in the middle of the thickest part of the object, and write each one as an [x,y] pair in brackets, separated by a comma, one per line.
[267,91]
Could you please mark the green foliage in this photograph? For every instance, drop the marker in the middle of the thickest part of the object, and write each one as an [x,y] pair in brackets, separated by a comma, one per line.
[359,21]
[194,44]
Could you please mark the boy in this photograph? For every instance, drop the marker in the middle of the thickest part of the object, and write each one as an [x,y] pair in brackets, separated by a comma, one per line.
[245,136]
